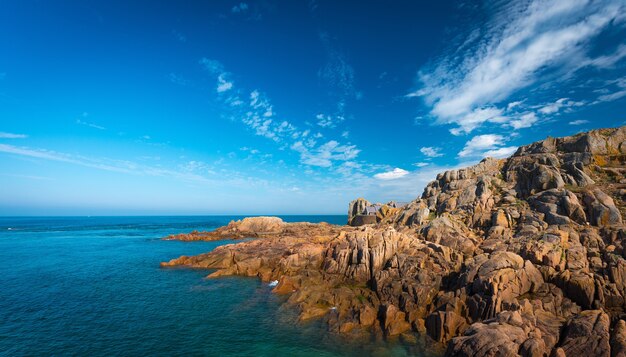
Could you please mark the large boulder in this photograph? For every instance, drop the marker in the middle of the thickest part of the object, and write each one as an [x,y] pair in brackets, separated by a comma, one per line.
[498,279]
[356,208]
[601,208]
[359,255]
[500,336]
[260,225]
[558,206]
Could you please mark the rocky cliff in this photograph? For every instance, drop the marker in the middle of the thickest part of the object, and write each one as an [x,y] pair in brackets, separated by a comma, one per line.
[520,256]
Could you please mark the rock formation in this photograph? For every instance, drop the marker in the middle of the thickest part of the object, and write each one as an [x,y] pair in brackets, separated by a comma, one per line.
[520,256]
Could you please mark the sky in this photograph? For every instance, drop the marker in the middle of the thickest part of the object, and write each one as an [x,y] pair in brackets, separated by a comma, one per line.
[286,107]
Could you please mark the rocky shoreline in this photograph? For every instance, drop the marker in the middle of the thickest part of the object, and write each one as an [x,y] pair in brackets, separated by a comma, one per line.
[520,256]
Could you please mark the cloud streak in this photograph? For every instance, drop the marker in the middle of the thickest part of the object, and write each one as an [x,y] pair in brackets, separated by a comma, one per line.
[5,135]
[520,44]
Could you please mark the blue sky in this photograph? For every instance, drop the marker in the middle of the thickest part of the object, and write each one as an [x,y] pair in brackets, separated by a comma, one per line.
[286,107]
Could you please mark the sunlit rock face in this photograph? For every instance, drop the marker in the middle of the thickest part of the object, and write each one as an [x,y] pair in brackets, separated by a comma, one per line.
[519,256]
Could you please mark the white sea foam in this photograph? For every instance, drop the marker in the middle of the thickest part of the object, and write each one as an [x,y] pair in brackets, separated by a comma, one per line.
[273,283]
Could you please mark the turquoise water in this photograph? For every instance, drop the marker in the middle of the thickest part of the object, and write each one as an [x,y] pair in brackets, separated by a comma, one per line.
[93,286]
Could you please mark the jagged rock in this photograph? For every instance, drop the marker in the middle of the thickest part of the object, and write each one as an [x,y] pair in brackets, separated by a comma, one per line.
[443,325]
[578,286]
[414,214]
[618,339]
[501,336]
[558,206]
[506,257]
[357,207]
[394,320]
[496,279]
[534,173]
[445,231]
[587,334]
[601,208]
[361,254]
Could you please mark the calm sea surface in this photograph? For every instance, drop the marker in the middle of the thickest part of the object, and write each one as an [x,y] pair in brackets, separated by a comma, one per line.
[93,286]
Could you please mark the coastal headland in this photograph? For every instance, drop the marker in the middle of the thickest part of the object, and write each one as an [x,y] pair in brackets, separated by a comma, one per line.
[519,256]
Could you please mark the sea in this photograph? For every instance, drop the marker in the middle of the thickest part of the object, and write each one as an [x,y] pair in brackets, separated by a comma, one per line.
[92,286]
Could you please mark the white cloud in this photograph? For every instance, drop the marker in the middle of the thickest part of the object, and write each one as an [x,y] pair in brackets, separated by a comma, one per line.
[486,145]
[391,175]
[217,69]
[524,121]
[222,84]
[518,45]
[513,105]
[579,122]
[477,117]
[555,107]
[431,151]
[4,135]
[327,121]
[501,152]
[421,164]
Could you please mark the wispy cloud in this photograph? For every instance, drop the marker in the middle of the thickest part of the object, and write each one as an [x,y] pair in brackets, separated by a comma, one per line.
[5,135]
[579,122]
[617,91]
[91,125]
[28,177]
[241,7]
[610,60]
[257,113]
[217,69]
[431,151]
[392,175]
[469,88]
[487,145]
[338,76]
[177,79]
[325,154]
[179,36]
[559,104]
[119,166]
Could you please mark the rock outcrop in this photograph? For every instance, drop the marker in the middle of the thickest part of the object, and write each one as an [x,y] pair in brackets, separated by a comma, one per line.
[524,256]
[249,227]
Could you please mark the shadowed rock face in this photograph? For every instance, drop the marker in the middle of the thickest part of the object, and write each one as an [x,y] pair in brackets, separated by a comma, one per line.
[521,256]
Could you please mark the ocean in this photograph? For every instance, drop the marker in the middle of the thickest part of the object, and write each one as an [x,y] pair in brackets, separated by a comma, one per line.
[93,286]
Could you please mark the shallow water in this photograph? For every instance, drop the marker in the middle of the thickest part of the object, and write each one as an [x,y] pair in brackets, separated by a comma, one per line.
[93,286]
